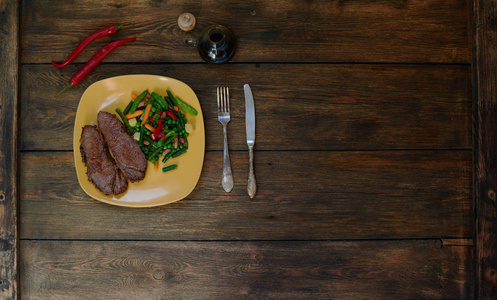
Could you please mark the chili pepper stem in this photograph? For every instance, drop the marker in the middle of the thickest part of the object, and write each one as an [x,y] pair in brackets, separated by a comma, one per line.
[65,88]
[122,24]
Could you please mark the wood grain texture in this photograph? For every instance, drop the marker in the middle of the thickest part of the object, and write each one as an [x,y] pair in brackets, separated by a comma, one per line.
[319,195]
[417,31]
[248,270]
[9,63]
[363,134]
[485,168]
[322,107]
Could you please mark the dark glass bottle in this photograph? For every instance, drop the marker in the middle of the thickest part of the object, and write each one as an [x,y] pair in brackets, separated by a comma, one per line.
[216,44]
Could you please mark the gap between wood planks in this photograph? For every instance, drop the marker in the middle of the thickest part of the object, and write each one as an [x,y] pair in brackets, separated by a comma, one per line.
[444,242]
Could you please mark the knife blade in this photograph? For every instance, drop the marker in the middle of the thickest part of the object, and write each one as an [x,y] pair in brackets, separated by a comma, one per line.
[250,130]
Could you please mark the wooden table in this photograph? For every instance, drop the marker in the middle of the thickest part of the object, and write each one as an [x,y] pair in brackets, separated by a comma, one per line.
[376,124]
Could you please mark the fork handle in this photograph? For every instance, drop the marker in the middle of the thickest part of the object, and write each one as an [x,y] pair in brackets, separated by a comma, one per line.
[227,180]
[251,185]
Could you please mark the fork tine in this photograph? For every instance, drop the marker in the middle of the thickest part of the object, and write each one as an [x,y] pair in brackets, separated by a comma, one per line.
[218,101]
[227,99]
[222,99]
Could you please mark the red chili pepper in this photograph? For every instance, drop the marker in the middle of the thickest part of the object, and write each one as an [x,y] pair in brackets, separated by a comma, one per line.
[94,61]
[106,31]
[172,115]
[161,135]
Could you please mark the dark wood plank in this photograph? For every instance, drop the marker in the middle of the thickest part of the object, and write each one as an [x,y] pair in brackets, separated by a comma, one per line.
[9,64]
[433,31]
[322,107]
[301,195]
[485,167]
[248,270]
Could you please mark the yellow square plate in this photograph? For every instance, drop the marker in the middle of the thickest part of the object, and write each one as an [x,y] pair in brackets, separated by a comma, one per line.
[157,188]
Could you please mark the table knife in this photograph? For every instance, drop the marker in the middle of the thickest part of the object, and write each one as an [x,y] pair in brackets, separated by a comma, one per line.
[250,129]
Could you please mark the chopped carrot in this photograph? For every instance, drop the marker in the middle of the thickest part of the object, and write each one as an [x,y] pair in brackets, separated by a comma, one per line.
[149,127]
[156,166]
[134,115]
[147,112]
[133,96]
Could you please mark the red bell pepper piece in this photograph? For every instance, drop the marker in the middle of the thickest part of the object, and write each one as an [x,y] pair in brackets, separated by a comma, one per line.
[157,136]
[172,115]
[154,135]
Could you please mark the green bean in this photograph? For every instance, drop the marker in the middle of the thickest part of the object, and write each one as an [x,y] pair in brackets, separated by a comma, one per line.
[141,136]
[168,140]
[184,106]
[126,110]
[167,156]
[170,133]
[150,101]
[169,168]
[179,152]
[157,151]
[137,101]
[160,100]
[155,119]
[180,119]
[169,101]
[125,121]
[161,143]
[171,97]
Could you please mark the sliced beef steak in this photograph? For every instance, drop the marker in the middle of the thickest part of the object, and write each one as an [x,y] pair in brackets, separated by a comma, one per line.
[101,167]
[129,157]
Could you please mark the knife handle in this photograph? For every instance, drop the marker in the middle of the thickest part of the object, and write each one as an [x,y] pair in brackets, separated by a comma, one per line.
[251,184]
[227,180]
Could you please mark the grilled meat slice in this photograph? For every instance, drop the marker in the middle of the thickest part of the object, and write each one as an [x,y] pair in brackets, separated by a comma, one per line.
[129,157]
[101,168]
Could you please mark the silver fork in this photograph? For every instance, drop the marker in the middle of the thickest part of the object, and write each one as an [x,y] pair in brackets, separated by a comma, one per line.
[223,111]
